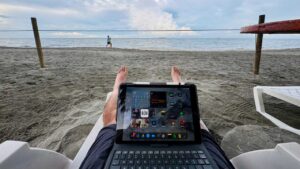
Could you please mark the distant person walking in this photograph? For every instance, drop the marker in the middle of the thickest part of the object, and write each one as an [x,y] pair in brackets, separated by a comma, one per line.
[109,44]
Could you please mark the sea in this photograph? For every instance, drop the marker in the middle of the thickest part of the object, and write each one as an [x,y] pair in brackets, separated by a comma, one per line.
[186,44]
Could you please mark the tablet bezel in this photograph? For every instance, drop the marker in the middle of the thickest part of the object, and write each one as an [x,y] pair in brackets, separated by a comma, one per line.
[195,110]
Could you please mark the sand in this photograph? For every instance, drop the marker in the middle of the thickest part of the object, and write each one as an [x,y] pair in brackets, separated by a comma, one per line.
[56,107]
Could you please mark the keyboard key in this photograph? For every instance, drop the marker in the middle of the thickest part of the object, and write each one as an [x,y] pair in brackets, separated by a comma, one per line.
[202,156]
[123,162]
[196,156]
[193,161]
[115,162]
[172,162]
[115,167]
[200,152]
[206,161]
[207,167]
[118,152]
[124,167]
[116,156]
[200,161]
[131,152]
[152,162]
[180,162]
[191,167]
[125,152]
[137,152]
[156,152]
[186,161]
[198,167]
[130,162]
[169,167]
[139,167]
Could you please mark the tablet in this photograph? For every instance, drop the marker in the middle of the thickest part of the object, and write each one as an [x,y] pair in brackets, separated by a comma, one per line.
[156,113]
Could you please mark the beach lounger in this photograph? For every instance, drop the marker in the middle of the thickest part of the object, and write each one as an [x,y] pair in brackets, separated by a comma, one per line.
[18,155]
[289,94]
[283,156]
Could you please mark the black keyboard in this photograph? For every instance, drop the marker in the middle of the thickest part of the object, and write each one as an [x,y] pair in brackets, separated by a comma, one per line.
[160,160]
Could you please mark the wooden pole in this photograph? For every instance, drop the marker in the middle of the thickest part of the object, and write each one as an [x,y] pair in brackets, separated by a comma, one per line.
[258,47]
[38,41]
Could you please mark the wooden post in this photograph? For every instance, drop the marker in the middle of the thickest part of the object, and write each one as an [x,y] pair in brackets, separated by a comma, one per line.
[38,41]
[258,47]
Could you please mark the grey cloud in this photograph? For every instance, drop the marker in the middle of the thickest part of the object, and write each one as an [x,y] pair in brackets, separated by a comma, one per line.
[4,16]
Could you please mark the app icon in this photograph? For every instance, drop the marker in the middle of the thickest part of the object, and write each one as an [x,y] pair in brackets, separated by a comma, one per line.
[174,136]
[173,123]
[144,113]
[147,135]
[142,135]
[135,113]
[181,113]
[163,135]
[153,135]
[153,123]
[182,123]
[170,135]
[133,135]
[158,135]
[137,135]
[151,113]
[179,136]
[163,112]
[171,94]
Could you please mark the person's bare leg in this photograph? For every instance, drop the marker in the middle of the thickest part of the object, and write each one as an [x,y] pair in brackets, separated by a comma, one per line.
[109,113]
[176,77]
[175,74]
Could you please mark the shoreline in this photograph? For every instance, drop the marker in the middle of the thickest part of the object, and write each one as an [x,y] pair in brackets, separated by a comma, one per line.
[154,50]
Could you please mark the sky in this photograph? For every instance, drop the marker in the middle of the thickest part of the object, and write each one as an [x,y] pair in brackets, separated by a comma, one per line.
[142,14]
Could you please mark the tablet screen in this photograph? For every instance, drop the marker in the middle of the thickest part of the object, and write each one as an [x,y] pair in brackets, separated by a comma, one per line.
[156,114]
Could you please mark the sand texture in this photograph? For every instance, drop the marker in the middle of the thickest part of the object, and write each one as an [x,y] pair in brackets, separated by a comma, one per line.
[56,107]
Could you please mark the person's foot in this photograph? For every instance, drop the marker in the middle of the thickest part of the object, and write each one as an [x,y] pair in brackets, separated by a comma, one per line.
[175,74]
[109,113]
[121,77]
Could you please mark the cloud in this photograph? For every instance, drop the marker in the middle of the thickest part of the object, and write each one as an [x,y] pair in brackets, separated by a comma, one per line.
[71,35]
[143,14]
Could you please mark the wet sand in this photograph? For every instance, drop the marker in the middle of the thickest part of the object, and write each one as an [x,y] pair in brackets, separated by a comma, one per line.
[56,107]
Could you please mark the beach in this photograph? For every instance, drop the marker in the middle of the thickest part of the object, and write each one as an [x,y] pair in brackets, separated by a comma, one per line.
[56,107]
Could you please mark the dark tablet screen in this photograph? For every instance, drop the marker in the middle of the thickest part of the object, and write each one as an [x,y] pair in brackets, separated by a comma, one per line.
[156,114]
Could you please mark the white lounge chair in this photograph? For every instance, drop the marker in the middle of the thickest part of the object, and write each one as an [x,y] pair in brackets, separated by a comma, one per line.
[289,94]
[18,155]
